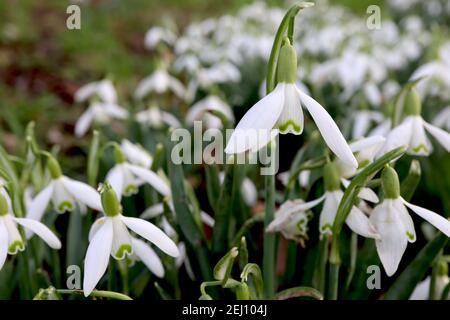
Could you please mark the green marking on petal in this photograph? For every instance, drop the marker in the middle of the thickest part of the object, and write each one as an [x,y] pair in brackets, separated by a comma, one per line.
[410,236]
[16,246]
[285,127]
[123,251]
[363,164]
[420,147]
[130,190]
[65,206]
[326,227]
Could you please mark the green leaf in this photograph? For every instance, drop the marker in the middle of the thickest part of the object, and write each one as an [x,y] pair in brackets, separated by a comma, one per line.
[299,292]
[212,184]
[93,159]
[252,269]
[404,285]
[410,183]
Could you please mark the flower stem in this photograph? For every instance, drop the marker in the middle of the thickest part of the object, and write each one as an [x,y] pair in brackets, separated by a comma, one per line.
[433,294]
[269,238]
[97,293]
[333,283]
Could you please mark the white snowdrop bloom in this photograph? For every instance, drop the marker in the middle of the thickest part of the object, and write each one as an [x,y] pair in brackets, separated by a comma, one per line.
[365,150]
[159,82]
[422,290]
[156,35]
[282,109]
[363,119]
[291,219]
[11,241]
[303,178]
[136,154]
[103,89]
[200,112]
[411,132]
[373,94]
[439,69]
[109,235]
[442,119]
[394,224]
[186,62]
[221,72]
[248,190]
[142,251]
[63,192]
[156,118]
[125,178]
[99,112]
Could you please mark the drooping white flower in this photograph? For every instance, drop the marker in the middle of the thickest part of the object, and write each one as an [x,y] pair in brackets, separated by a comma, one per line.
[422,290]
[125,178]
[103,89]
[159,82]
[156,35]
[99,112]
[186,62]
[63,192]
[282,109]
[11,241]
[156,118]
[200,111]
[394,224]
[109,235]
[363,120]
[136,154]
[411,132]
[221,72]
[442,119]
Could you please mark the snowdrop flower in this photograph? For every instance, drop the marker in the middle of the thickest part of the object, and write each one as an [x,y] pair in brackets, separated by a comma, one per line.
[282,109]
[394,224]
[156,35]
[303,178]
[125,178]
[442,119]
[142,251]
[155,117]
[103,89]
[159,82]
[291,219]
[63,192]
[99,112]
[411,132]
[186,62]
[221,72]
[422,290]
[109,235]
[11,241]
[200,111]
[136,154]
[363,120]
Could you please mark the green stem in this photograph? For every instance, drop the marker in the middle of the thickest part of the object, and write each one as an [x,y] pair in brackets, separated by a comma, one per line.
[97,293]
[433,294]
[320,275]
[353,257]
[333,283]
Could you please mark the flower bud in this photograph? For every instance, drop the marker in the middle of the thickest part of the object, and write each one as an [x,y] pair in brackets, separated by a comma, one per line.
[242,292]
[412,103]
[223,267]
[390,183]
[110,203]
[331,177]
[3,205]
[53,167]
[287,63]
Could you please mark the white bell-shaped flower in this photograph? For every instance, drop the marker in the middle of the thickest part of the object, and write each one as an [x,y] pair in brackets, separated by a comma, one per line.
[282,110]
[159,82]
[103,89]
[200,112]
[157,35]
[136,154]
[156,118]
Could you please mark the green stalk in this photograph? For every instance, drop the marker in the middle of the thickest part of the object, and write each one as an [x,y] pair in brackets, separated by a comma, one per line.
[433,294]
[97,293]
[334,280]
[269,238]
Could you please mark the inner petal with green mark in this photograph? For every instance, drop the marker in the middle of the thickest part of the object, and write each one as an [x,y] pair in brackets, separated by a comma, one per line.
[130,190]
[16,246]
[421,149]
[65,206]
[291,117]
[124,250]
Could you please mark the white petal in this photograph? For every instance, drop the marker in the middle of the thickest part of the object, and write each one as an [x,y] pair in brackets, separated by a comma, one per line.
[144,87]
[62,199]
[3,243]
[329,210]
[207,219]
[261,117]
[170,119]
[177,87]
[419,145]
[422,290]
[148,256]
[97,257]
[41,230]
[432,217]
[153,211]
[115,178]
[84,122]
[361,124]
[115,110]
[443,137]
[329,130]
[40,203]
[95,227]
[15,242]
[121,245]
[393,241]
[153,234]
[291,118]
[365,193]
[151,178]
[249,192]
[360,224]
[106,91]
[399,136]
[442,117]
[83,193]
[406,219]
[84,92]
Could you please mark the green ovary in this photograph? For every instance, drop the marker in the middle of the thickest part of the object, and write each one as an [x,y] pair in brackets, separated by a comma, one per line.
[65,206]
[16,246]
[123,250]
[284,127]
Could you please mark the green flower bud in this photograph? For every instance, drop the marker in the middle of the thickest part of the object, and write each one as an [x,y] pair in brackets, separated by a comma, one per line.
[331,177]
[390,183]
[287,63]
[119,156]
[110,203]
[412,103]
[53,167]
[242,292]
[222,269]
[3,205]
